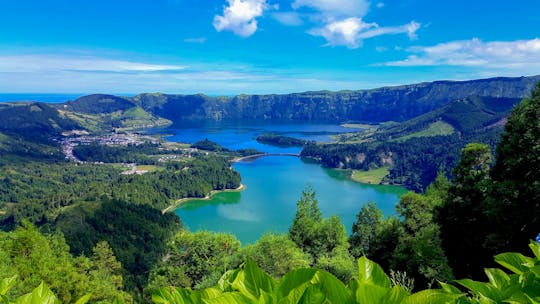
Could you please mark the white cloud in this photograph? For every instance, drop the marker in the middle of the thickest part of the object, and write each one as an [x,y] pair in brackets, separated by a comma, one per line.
[288,18]
[341,22]
[240,16]
[352,31]
[521,55]
[336,8]
[344,32]
[195,40]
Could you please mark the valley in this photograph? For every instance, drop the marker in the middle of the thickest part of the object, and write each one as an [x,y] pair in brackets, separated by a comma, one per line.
[101,167]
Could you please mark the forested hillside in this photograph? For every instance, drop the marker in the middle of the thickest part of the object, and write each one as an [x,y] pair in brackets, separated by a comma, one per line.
[414,151]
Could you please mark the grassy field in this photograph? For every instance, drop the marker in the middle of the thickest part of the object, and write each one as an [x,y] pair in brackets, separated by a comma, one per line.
[434,129]
[149,168]
[373,176]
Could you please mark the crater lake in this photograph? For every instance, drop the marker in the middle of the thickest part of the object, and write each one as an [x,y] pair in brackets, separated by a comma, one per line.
[275,183]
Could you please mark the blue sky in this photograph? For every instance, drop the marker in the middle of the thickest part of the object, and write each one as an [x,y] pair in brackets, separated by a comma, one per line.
[260,46]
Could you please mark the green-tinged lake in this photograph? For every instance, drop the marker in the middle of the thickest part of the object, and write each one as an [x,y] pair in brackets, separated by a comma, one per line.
[275,183]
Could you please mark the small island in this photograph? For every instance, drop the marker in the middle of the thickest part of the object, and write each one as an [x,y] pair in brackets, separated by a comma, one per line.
[280,140]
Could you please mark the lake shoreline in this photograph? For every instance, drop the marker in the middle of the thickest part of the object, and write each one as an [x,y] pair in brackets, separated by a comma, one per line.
[208,197]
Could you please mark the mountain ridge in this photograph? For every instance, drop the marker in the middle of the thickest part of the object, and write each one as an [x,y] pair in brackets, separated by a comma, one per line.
[396,103]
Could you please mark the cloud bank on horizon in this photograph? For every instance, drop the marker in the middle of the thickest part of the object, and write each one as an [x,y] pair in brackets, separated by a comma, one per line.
[260,46]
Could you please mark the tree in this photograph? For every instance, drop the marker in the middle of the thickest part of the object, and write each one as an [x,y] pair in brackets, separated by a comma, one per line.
[305,226]
[324,240]
[365,229]
[513,206]
[461,216]
[277,254]
[419,249]
[199,258]
[35,257]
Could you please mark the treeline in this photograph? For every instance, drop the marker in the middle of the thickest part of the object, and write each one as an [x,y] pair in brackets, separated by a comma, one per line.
[131,153]
[280,140]
[413,163]
[39,191]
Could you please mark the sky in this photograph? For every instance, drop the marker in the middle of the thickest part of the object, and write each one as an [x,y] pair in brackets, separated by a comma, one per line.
[225,47]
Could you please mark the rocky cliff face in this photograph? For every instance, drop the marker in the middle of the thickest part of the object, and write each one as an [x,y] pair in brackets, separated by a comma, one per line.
[383,104]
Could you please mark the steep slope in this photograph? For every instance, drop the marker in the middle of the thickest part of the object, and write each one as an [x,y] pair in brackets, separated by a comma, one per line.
[383,104]
[473,114]
[28,130]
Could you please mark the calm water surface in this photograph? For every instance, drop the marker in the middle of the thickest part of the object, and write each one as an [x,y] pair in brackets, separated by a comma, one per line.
[275,183]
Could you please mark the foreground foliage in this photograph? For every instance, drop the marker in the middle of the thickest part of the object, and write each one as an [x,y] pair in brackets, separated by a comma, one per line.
[250,284]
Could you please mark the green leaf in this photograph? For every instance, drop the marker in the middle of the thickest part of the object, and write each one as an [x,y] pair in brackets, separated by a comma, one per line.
[396,295]
[40,295]
[6,284]
[226,280]
[431,296]
[252,280]
[449,288]
[535,247]
[313,295]
[301,283]
[170,295]
[483,290]
[515,262]
[230,298]
[334,290]
[293,285]
[371,272]
[497,277]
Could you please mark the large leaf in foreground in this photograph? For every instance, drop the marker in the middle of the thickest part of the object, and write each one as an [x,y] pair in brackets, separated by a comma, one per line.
[312,285]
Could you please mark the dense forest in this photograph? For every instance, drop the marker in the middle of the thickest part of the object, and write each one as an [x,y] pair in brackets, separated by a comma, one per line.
[280,140]
[417,149]
[91,234]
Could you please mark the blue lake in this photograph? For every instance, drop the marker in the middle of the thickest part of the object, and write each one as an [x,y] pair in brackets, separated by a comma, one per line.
[275,183]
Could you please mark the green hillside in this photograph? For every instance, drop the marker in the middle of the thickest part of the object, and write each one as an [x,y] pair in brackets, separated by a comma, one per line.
[99,104]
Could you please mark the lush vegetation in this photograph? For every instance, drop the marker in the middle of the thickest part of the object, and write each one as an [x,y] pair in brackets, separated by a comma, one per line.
[413,163]
[35,258]
[417,149]
[249,284]
[280,140]
[90,233]
[209,145]
[96,152]
[39,191]
[93,203]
